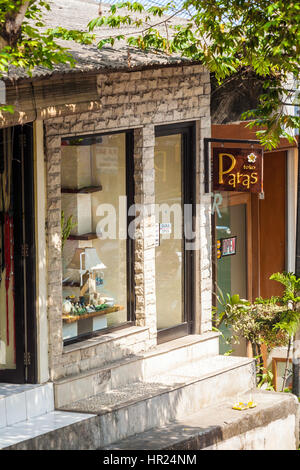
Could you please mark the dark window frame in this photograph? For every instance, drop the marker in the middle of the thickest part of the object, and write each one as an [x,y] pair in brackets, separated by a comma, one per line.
[188,133]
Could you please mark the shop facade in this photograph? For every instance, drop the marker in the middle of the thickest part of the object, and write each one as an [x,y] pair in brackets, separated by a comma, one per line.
[106,312]
[129,177]
[123,265]
[107,258]
[263,225]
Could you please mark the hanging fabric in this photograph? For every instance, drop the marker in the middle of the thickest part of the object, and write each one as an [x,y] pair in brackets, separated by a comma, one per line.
[8,266]
[7,231]
[1,229]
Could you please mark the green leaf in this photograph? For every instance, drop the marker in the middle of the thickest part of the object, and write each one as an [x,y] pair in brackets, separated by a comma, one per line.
[227,37]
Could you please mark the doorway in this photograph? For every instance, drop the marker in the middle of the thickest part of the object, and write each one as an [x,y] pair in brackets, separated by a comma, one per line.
[261,239]
[174,162]
[17,245]
[233,260]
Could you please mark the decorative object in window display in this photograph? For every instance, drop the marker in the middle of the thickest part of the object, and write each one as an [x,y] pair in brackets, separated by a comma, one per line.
[91,302]
[87,262]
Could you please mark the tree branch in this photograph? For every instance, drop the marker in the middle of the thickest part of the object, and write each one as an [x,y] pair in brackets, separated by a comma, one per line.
[11,29]
[150,26]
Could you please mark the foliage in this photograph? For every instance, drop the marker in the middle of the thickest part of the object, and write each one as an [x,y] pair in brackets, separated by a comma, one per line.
[25,41]
[273,322]
[229,37]
[257,322]
[290,318]
[66,228]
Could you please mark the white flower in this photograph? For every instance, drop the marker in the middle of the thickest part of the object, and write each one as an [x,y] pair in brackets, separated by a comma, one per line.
[251,158]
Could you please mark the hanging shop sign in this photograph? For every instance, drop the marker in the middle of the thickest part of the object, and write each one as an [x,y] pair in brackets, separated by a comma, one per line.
[238,170]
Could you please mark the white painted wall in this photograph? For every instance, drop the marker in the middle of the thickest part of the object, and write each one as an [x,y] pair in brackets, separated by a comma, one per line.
[292,171]
[41,253]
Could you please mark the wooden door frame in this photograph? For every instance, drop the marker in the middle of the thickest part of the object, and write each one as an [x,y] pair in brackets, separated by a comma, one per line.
[251,244]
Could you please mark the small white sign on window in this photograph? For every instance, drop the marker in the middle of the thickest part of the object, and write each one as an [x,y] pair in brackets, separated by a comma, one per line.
[165,228]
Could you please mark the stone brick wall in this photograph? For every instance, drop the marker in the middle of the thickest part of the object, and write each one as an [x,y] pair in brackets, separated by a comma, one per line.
[145,311]
[133,100]
[203,301]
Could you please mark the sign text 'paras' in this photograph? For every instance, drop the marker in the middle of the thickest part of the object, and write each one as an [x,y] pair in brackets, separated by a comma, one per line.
[238,170]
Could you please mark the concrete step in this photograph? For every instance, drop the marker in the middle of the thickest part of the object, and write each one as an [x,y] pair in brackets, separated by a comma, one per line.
[271,425]
[55,430]
[164,357]
[27,417]
[22,402]
[142,405]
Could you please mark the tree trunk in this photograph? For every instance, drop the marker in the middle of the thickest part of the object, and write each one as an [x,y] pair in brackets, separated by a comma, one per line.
[260,358]
[257,360]
[296,364]
[286,364]
[11,28]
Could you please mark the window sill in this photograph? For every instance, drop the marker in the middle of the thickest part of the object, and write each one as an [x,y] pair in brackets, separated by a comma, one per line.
[106,337]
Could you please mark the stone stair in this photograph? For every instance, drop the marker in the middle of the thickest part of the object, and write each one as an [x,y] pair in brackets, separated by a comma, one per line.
[271,425]
[134,368]
[139,406]
[183,386]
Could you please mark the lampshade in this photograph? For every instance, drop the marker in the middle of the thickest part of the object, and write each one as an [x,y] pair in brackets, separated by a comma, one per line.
[86,259]
[92,260]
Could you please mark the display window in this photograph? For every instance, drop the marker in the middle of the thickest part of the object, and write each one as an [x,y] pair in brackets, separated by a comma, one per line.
[169,244]
[94,182]
[175,231]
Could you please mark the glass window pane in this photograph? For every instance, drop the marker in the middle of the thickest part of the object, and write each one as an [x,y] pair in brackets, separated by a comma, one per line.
[94,256]
[231,244]
[169,242]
